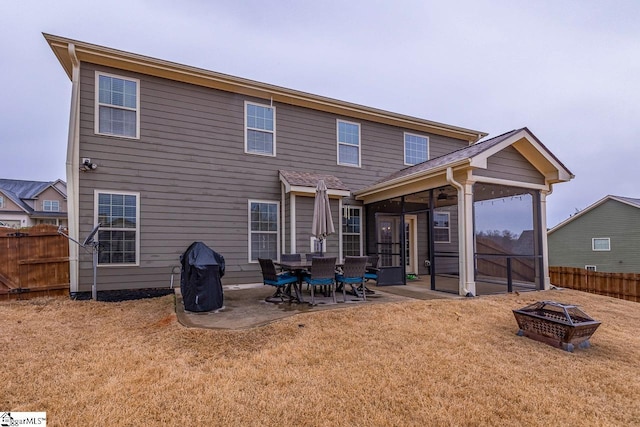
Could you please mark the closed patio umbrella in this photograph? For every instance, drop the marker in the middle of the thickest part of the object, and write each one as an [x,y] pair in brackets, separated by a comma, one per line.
[322,224]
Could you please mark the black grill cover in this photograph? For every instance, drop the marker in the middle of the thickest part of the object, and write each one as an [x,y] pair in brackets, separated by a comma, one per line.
[200,283]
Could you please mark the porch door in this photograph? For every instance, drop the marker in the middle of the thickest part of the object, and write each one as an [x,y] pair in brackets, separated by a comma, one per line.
[390,241]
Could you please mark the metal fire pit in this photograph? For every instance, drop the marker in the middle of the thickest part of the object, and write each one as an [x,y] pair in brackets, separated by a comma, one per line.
[560,325]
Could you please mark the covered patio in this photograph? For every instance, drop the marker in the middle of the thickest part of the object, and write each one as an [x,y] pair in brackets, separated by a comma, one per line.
[473,221]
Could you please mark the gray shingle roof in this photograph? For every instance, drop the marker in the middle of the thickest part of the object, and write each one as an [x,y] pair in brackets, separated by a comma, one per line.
[308,179]
[450,158]
[19,190]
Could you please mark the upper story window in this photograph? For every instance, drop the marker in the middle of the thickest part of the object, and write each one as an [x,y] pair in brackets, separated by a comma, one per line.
[117,106]
[51,206]
[441,227]
[601,244]
[119,232]
[416,149]
[348,143]
[1,202]
[260,129]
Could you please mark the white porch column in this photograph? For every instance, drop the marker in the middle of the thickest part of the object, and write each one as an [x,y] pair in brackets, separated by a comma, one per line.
[468,250]
[467,283]
[292,222]
[544,250]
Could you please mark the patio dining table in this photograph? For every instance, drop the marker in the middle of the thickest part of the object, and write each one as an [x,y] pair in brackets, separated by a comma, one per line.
[299,268]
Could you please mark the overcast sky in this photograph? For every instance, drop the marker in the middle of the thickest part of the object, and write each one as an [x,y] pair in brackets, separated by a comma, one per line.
[568,70]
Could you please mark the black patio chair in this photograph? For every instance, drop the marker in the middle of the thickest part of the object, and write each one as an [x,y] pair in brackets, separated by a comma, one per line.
[280,280]
[372,268]
[323,273]
[290,257]
[353,273]
[311,256]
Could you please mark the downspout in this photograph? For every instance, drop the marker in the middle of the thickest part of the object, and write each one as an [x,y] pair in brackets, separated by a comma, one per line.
[283,222]
[462,230]
[73,170]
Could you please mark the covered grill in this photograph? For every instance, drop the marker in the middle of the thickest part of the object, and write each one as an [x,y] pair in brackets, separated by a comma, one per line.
[557,324]
[200,278]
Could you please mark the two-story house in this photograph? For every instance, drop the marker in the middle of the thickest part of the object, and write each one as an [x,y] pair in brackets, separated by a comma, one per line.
[602,237]
[163,154]
[26,203]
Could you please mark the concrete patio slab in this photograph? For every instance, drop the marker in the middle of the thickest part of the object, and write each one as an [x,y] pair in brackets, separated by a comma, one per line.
[245,306]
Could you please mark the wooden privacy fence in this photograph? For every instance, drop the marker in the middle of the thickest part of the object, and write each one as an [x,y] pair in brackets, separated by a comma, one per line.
[617,285]
[33,261]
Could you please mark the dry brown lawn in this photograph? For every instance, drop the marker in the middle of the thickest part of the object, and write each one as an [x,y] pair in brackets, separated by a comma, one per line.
[439,362]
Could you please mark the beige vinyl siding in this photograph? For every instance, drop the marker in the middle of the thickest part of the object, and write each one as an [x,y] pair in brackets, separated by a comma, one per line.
[511,165]
[51,194]
[194,178]
[571,245]
[9,205]
[304,217]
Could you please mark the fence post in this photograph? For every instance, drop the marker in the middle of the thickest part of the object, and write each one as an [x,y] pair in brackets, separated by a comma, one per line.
[509,276]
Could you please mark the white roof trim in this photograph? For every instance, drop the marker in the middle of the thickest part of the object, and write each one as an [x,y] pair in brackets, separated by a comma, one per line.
[589,209]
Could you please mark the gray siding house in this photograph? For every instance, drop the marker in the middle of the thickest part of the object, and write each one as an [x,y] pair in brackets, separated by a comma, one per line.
[603,237]
[162,154]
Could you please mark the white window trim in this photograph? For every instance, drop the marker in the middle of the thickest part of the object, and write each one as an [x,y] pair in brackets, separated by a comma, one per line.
[249,231]
[342,234]
[404,142]
[590,267]
[137,229]
[448,214]
[52,202]
[1,202]
[338,143]
[246,129]
[593,244]
[97,105]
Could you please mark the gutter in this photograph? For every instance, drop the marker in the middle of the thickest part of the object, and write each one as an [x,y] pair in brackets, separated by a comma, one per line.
[101,55]
[406,179]
[73,169]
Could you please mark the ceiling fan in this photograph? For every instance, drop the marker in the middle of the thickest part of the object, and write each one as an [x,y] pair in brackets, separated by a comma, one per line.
[444,196]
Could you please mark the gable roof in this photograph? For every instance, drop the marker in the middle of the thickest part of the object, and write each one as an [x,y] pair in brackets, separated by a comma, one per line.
[19,190]
[68,51]
[626,200]
[476,155]
[306,182]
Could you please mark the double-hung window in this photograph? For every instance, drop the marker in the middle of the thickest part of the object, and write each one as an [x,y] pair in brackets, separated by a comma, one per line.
[348,143]
[351,231]
[117,106]
[263,230]
[51,206]
[441,227]
[416,149]
[260,129]
[119,234]
[601,244]
[1,202]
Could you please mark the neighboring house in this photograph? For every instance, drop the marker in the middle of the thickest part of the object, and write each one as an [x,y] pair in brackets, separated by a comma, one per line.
[27,203]
[162,154]
[603,237]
